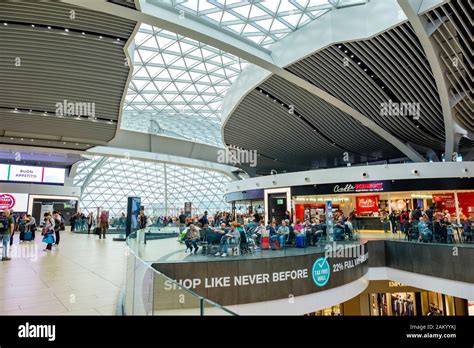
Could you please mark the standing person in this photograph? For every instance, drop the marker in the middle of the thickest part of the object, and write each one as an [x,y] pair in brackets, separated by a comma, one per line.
[103,223]
[14,226]
[90,221]
[48,231]
[393,220]
[257,217]
[31,225]
[72,220]
[182,220]
[204,220]
[384,219]
[57,226]
[7,225]
[142,220]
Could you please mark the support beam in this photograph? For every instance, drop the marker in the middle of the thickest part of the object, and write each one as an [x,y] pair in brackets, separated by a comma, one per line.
[421,27]
[169,20]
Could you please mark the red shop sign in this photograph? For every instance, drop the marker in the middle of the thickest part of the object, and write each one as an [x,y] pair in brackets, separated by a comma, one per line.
[367,204]
[7,201]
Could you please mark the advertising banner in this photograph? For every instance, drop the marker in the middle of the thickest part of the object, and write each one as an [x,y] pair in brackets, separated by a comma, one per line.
[16,201]
[367,204]
[243,281]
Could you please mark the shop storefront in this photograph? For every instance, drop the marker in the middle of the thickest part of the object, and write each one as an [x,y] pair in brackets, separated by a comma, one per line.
[370,200]
[389,298]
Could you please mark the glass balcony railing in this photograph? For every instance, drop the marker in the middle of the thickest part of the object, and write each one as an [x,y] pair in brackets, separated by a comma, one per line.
[149,292]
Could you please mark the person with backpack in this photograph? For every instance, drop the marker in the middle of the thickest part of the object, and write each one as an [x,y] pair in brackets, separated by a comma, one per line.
[7,225]
[48,231]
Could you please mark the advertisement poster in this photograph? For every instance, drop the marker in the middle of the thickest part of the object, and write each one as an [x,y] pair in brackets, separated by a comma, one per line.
[16,201]
[367,204]
[46,207]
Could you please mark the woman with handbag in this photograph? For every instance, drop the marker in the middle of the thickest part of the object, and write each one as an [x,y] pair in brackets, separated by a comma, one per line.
[48,231]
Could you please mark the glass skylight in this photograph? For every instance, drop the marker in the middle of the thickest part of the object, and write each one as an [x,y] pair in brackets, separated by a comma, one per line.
[178,86]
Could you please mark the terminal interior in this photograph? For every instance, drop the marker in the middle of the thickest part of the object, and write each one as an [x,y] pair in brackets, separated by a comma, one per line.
[216,157]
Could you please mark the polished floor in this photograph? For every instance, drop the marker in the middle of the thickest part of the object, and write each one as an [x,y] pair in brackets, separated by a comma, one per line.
[83,276]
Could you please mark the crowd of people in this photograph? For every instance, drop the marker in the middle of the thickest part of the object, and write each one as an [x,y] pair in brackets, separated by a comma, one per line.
[430,225]
[26,225]
[220,230]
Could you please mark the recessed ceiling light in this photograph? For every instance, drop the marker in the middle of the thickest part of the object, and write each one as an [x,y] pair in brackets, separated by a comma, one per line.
[352,56]
[32,25]
[100,37]
[358,63]
[21,139]
[64,143]
[77,144]
[345,51]
[83,33]
[32,139]
[66,30]
[16,109]
[118,39]
[5,24]
[31,110]
[339,46]
[49,27]
[11,138]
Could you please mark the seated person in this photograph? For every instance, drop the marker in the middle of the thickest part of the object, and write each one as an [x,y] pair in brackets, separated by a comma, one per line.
[205,231]
[225,240]
[272,229]
[467,229]
[215,236]
[339,229]
[258,233]
[191,239]
[298,227]
[282,233]
[292,234]
[425,234]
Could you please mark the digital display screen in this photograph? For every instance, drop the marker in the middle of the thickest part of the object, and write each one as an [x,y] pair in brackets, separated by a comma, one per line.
[30,174]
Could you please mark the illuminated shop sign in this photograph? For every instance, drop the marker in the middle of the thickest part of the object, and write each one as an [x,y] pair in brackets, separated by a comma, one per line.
[30,174]
[361,187]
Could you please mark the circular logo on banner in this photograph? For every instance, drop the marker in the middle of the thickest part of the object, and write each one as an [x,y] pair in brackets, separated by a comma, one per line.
[321,271]
[7,201]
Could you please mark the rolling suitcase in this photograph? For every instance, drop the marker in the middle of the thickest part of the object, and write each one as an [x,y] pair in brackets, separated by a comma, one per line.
[299,241]
[265,242]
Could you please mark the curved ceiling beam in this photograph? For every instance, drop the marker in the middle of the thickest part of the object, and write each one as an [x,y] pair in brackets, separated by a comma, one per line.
[421,27]
[171,20]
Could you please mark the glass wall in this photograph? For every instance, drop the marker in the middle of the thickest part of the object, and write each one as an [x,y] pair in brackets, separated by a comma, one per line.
[163,188]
